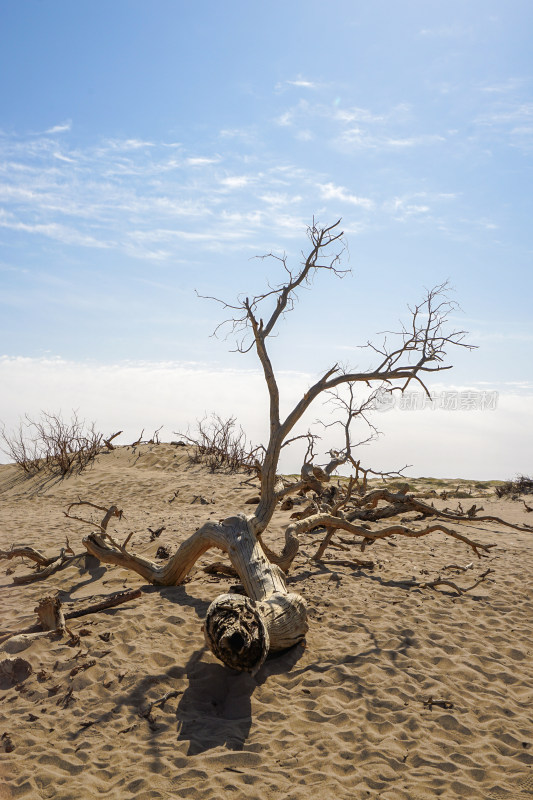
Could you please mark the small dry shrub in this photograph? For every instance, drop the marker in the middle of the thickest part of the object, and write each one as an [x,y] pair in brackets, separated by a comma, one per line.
[21,449]
[52,443]
[221,445]
[521,485]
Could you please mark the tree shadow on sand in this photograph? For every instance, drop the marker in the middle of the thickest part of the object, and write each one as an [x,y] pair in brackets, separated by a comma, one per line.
[216,709]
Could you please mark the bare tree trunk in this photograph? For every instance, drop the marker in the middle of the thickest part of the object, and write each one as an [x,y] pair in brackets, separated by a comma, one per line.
[239,630]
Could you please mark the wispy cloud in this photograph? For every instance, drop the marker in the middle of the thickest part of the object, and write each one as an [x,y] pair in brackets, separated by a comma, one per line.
[128,144]
[355,114]
[447,31]
[506,118]
[361,139]
[61,128]
[357,128]
[52,230]
[299,83]
[519,113]
[331,192]
[201,161]
[152,200]
[235,181]
[286,119]
[304,135]
[419,206]
[508,86]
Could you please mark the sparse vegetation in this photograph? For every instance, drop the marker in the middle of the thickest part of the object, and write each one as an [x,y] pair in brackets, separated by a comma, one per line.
[52,443]
[221,445]
[21,449]
[521,485]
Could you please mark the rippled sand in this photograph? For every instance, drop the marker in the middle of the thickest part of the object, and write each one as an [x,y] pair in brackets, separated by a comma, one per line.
[345,716]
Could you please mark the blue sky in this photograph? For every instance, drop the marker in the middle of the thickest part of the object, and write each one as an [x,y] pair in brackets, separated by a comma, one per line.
[148,149]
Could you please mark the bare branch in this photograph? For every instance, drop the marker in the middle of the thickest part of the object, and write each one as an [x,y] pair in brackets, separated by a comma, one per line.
[459,589]
[108,441]
[330,521]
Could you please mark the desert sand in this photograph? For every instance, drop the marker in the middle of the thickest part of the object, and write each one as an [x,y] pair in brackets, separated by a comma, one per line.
[399,692]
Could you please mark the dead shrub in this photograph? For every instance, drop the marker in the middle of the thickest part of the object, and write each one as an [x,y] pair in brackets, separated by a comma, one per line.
[52,443]
[21,449]
[521,485]
[221,445]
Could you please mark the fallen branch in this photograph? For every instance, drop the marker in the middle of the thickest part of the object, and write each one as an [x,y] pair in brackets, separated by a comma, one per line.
[111,511]
[402,502]
[50,565]
[25,551]
[139,440]
[326,541]
[329,521]
[459,589]
[108,441]
[45,604]
[160,702]
[430,702]
[115,599]
[81,667]
[350,563]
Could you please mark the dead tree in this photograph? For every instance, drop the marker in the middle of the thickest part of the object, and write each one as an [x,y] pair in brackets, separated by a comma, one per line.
[241,630]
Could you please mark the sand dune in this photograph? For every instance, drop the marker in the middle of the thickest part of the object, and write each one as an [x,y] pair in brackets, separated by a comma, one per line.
[344,716]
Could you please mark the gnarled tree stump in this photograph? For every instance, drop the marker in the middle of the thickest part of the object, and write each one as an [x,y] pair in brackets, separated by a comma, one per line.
[239,630]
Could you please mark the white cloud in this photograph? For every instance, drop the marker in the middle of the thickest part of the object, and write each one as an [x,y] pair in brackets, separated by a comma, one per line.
[279,199]
[246,135]
[52,230]
[447,31]
[304,136]
[298,83]
[331,192]
[516,113]
[136,197]
[356,114]
[404,207]
[62,157]
[235,181]
[201,161]
[285,119]
[128,144]
[11,268]
[61,128]
[503,87]
[357,137]
[409,206]
[509,336]
[413,141]
[511,122]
